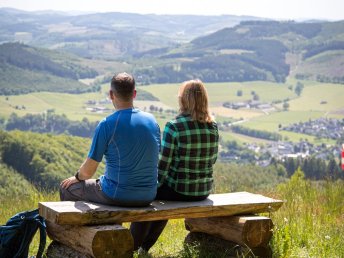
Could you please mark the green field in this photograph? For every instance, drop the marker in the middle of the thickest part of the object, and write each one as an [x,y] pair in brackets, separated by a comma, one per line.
[73,105]
[315,94]
[222,92]
[272,121]
[317,100]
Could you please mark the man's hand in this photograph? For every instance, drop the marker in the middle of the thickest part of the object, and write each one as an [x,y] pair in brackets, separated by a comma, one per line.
[68,182]
[86,171]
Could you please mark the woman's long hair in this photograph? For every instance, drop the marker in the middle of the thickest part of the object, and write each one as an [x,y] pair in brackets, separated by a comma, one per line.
[193,100]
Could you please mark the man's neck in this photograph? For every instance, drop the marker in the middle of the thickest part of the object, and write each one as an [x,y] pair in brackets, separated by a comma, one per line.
[123,105]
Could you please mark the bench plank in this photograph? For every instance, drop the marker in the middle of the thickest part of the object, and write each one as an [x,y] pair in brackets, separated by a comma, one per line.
[87,213]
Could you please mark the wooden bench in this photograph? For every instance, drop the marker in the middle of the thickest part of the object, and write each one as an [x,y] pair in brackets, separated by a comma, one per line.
[96,230]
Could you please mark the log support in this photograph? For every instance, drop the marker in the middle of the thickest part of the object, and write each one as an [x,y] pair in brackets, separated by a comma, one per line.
[251,231]
[211,246]
[93,241]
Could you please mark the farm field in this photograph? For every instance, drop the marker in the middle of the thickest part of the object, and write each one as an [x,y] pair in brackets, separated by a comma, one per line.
[322,97]
[222,92]
[309,105]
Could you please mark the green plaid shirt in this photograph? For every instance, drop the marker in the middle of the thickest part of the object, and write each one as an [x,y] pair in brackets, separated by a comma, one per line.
[188,152]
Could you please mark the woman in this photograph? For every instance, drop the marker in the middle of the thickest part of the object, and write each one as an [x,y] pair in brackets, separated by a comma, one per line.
[188,151]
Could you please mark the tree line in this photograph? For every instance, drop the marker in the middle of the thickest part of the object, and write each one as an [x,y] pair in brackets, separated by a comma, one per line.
[315,49]
[256,133]
[313,168]
[50,122]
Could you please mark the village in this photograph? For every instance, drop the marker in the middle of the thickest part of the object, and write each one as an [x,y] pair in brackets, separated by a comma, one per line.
[261,154]
[323,128]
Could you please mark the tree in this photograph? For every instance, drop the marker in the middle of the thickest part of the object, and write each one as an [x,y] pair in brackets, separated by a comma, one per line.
[285,106]
[239,93]
[333,170]
[298,88]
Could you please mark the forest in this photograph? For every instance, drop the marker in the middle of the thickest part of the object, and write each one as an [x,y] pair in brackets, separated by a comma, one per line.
[25,69]
[256,133]
[252,50]
[50,122]
[44,159]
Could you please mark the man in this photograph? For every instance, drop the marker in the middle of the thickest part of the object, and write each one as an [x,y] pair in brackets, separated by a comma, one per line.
[130,141]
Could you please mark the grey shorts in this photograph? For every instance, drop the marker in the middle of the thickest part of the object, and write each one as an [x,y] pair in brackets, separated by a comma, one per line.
[90,190]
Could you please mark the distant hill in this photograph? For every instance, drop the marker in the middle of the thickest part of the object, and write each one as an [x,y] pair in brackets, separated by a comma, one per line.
[174,48]
[107,35]
[254,50]
[26,69]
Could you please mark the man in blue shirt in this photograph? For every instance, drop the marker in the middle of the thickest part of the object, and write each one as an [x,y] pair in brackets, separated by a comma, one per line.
[129,139]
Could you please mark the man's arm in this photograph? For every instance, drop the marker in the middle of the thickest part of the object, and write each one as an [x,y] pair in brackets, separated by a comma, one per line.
[86,171]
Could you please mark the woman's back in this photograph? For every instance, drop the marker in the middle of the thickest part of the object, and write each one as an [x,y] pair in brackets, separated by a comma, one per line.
[189,150]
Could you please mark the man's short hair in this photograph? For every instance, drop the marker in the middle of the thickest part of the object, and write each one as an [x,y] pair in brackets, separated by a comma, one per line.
[123,85]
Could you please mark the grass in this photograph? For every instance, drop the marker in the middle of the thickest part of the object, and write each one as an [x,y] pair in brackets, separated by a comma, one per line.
[309,224]
[272,121]
[72,105]
[11,205]
[235,113]
[240,138]
[312,96]
[222,92]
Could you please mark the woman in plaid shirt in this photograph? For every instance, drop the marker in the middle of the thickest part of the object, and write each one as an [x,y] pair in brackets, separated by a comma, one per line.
[188,152]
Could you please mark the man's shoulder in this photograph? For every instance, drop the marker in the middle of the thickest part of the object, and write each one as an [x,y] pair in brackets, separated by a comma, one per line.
[144,114]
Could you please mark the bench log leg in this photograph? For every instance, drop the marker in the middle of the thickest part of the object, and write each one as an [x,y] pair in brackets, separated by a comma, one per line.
[212,246]
[252,231]
[96,241]
[58,250]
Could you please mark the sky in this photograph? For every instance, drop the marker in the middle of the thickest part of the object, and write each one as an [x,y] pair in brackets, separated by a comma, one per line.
[275,9]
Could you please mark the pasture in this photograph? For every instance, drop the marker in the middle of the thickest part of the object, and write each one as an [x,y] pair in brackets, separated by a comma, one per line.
[316,100]
[226,92]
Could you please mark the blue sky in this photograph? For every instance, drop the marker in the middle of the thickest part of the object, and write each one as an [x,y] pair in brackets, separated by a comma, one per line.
[277,9]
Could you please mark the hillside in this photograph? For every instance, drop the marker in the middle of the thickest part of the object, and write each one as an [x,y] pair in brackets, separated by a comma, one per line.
[41,159]
[254,50]
[174,48]
[25,69]
[107,35]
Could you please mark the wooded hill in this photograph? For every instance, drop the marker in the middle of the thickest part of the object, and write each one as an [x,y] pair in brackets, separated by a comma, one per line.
[107,35]
[42,159]
[254,50]
[171,48]
[26,69]
[46,159]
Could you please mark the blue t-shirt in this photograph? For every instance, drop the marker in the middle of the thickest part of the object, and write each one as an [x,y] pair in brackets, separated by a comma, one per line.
[130,141]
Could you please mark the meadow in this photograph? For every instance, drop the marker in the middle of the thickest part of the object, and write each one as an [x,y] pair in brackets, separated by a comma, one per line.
[315,101]
[309,224]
